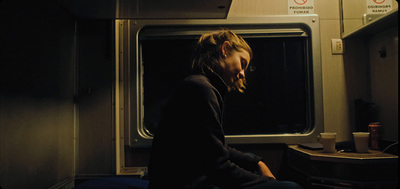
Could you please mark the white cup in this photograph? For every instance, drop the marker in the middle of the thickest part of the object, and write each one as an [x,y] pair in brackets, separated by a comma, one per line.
[328,141]
[361,141]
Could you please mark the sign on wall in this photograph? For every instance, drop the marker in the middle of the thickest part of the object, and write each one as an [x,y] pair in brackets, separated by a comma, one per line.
[379,6]
[300,6]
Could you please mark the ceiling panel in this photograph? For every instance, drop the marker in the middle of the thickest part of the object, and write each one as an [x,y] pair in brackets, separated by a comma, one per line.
[148,9]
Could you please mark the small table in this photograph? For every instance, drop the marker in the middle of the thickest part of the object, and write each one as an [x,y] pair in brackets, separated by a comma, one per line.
[316,169]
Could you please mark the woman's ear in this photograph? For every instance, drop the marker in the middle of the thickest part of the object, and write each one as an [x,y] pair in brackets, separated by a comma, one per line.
[225,48]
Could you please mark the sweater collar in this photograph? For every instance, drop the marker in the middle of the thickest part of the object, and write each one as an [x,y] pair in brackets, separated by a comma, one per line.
[216,81]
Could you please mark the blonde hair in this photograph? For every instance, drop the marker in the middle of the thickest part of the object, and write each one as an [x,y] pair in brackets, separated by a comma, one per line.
[208,53]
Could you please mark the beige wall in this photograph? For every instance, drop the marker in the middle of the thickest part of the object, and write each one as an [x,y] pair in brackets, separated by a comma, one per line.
[336,107]
[385,79]
[36,95]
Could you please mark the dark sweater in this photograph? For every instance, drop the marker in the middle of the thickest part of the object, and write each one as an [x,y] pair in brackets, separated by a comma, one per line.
[189,149]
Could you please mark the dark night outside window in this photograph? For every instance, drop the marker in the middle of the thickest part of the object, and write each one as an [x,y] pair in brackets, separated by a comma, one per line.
[277,99]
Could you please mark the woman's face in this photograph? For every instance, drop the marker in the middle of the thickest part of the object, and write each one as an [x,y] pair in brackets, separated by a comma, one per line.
[236,62]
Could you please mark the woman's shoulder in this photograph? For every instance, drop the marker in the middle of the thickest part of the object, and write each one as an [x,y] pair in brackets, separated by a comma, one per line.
[199,85]
[199,81]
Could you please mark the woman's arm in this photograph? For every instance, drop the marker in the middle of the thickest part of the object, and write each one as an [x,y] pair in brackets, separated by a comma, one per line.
[265,170]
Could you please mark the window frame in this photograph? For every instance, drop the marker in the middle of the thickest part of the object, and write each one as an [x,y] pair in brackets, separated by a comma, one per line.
[285,25]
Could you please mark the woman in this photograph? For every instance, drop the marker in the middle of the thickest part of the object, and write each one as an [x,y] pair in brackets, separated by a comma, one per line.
[189,149]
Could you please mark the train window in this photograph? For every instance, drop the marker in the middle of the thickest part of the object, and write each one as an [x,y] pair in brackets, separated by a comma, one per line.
[282,102]
[277,99]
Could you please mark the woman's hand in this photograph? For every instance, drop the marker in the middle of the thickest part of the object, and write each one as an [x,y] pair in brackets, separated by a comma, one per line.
[265,170]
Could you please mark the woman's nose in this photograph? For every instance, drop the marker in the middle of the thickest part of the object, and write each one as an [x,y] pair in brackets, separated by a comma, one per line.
[241,74]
